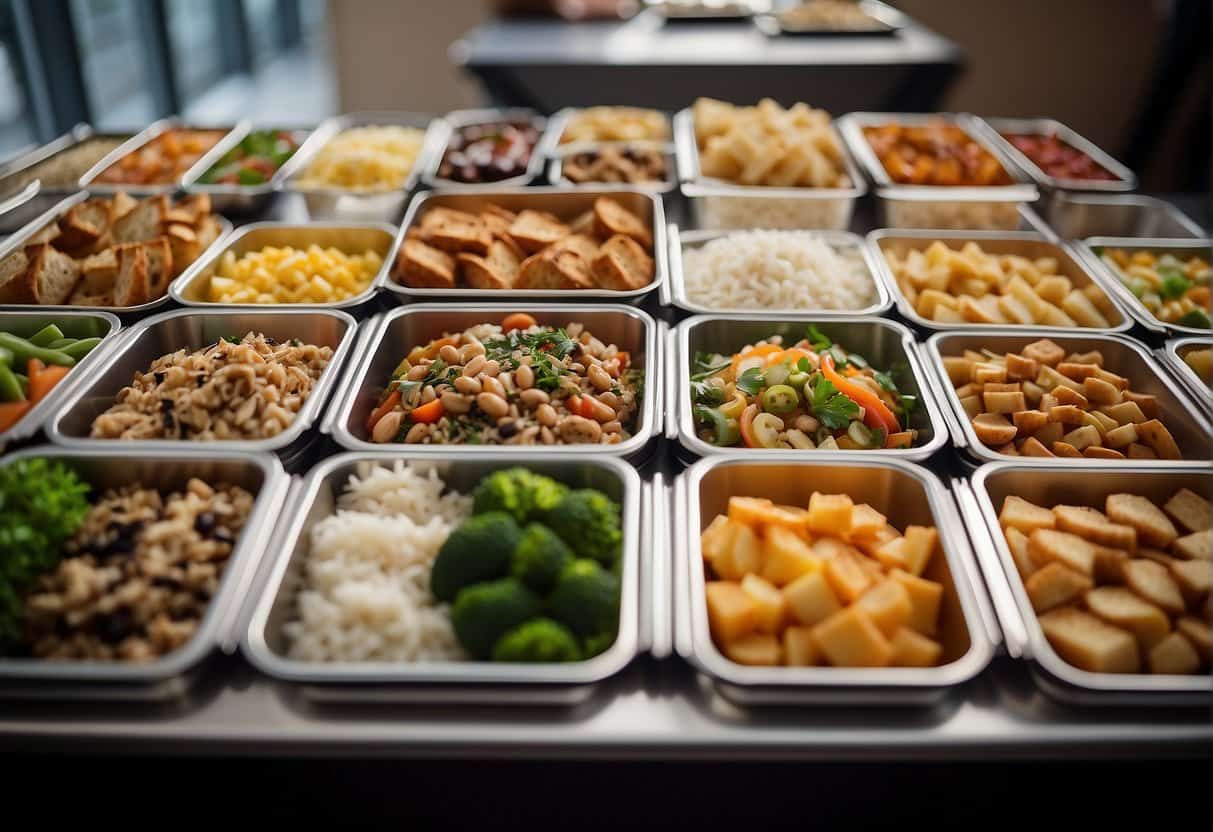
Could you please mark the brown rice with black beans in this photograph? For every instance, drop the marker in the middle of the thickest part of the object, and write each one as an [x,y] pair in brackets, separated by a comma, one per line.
[138,576]
[538,385]
[250,388]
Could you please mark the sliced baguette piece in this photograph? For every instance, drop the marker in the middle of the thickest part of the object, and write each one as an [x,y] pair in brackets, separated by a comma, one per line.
[120,205]
[498,270]
[83,225]
[48,280]
[159,267]
[611,218]
[185,245]
[131,287]
[12,268]
[622,265]
[553,270]
[190,210]
[421,266]
[98,273]
[456,231]
[80,297]
[535,230]
[143,222]
[585,246]
[208,231]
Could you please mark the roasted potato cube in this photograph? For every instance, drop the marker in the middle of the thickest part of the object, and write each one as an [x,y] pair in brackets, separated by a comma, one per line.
[849,638]
[1020,368]
[1199,633]
[1050,379]
[1049,434]
[998,402]
[1110,564]
[1067,396]
[1123,608]
[1033,393]
[913,649]
[925,598]
[1100,452]
[1044,351]
[1140,451]
[871,544]
[1099,391]
[1077,372]
[1121,437]
[830,514]
[1082,437]
[759,512]
[959,370]
[1153,582]
[1054,585]
[1067,414]
[1017,542]
[1147,403]
[717,538]
[1153,526]
[810,599]
[1018,513]
[1089,643]
[1093,357]
[1103,422]
[971,405]
[847,578]
[1028,422]
[918,547]
[887,604]
[1032,447]
[786,556]
[731,611]
[1091,524]
[866,521]
[1065,449]
[799,650]
[1174,654]
[1079,307]
[1160,440]
[1195,578]
[993,429]
[1125,413]
[756,649]
[742,557]
[1190,510]
[1049,545]
[770,607]
[1195,545]
[988,373]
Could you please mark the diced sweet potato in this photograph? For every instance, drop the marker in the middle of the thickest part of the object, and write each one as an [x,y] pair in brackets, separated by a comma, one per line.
[830,514]
[849,638]
[1123,608]
[756,649]
[1195,545]
[913,649]
[925,598]
[786,556]
[1054,585]
[1020,514]
[731,611]
[1089,643]
[1174,654]
[810,599]
[888,604]
[770,607]
[799,649]
[1191,511]
[1092,525]
[1152,525]
[1153,582]
[1049,545]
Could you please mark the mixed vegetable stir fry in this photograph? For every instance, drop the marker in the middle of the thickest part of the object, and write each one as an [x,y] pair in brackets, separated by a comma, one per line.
[1175,291]
[254,161]
[810,395]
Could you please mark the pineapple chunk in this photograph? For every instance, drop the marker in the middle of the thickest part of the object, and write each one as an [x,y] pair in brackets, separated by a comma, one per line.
[1020,514]
[1174,654]
[913,649]
[830,514]
[758,649]
[786,556]
[849,638]
[770,607]
[799,649]
[744,557]
[888,605]
[920,543]
[810,599]
[731,611]
[925,598]
[1121,608]
[1089,643]
[1055,585]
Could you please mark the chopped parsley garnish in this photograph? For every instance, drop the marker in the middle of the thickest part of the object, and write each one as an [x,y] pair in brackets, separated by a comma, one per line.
[704,393]
[751,381]
[704,367]
[833,409]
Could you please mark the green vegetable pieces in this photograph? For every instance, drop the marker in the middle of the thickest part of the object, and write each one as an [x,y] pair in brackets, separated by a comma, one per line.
[586,599]
[483,613]
[538,640]
[521,493]
[589,522]
[479,550]
[539,557]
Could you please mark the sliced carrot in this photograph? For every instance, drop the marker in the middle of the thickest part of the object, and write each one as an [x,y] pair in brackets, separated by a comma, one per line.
[875,413]
[34,367]
[901,439]
[581,406]
[754,352]
[382,410]
[1199,295]
[747,426]
[519,320]
[42,383]
[625,360]
[791,355]
[428,413]
[11,413]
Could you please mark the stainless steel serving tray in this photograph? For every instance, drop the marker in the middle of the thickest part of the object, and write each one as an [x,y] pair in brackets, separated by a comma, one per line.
[1076,216]
[882,342]
[680,241]
[715,201]
[396,332]
[170,675]
[445,127]
[1111,282]
[78,324]
[888,22]
[190,289]
[906,494]
[448,682]
[565,203]
[561,118]
[333,203]
[995,130]
[1173,353]
[238,199]
[668,185]
[70,423]
[1122,356]
[1070,264]
[1052,485]
[155,129]
[20,238]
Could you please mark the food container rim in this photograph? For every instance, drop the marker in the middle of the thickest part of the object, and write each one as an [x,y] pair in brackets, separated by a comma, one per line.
[956,550]
[1037,647]
[1113,286]
[1200,391]
[190,183]
[695,184]
[890,20]
[668,185]
[908,312]
[52,214]
[356,372]
[243,560]
[446,126]
[179,286]
[1062,199]
[660,252]
[137,141]
[1125,181]
[968,441]
[677,239]
[560,119]
[686,426]
[259,653]
[304,419]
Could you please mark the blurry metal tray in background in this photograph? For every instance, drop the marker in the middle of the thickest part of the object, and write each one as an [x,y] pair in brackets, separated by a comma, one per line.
[1077,216]
[997,129]
[1172,355]
[887,22]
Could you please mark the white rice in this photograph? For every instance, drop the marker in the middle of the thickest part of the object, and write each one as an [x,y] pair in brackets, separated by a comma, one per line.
[365,593]
[776,270]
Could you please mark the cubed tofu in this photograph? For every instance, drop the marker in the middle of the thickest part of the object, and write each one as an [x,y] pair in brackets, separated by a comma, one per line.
[849,638]
[1092,525]
[1018,513]
[1049,545]
[830,514]
[888,604]
[1089,643]
[1152,525]
[770,607]
[925,599]
[1199,634]
[1174,654]
[742,558]
[731,611]
[1153,582]
[1017,542]
[1191,511]
[1054,585]
[786,556]
[1195,545]
[1123,608]
[756,649]
[913,649]
[810,599]
[919,544]
[799,649]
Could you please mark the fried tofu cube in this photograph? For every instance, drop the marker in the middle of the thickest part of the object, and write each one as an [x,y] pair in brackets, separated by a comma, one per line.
[1152,525]
[1190,510]
[1153,582]
[1122,608]
[1020,514]
[1054,585]
[742,557]
[925,599]
[1174,654]
[849,638]
[756,649]
[888,604]
[1089,643]
[830,514]
[913,649]
[1195,545]
[799,649]
[810,599]
[1092,525]
[786,556]
[1049,545]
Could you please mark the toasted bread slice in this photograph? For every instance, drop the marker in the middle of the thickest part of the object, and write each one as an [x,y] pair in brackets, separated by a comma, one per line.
[497,211]
[11,269]
[190,210]
[498,225]
[159,267]
[583,224]
[83,225]
[439,215]
[120,205]
[48,279]
[622,265]
[535,230]
[456,231]
[421,266]
[82,297]
[208,231]
[185,246]
[499,270]
[611,218]
[131,287]
[585,246]
[47,234]
[554,270]
[143,222]
[98,273]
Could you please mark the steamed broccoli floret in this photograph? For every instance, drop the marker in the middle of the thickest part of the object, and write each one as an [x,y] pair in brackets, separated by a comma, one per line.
[521,493]
[479,550]
[483,613]
[538,640]
[586,599]
[600,643]
[589,522]
[539,557]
